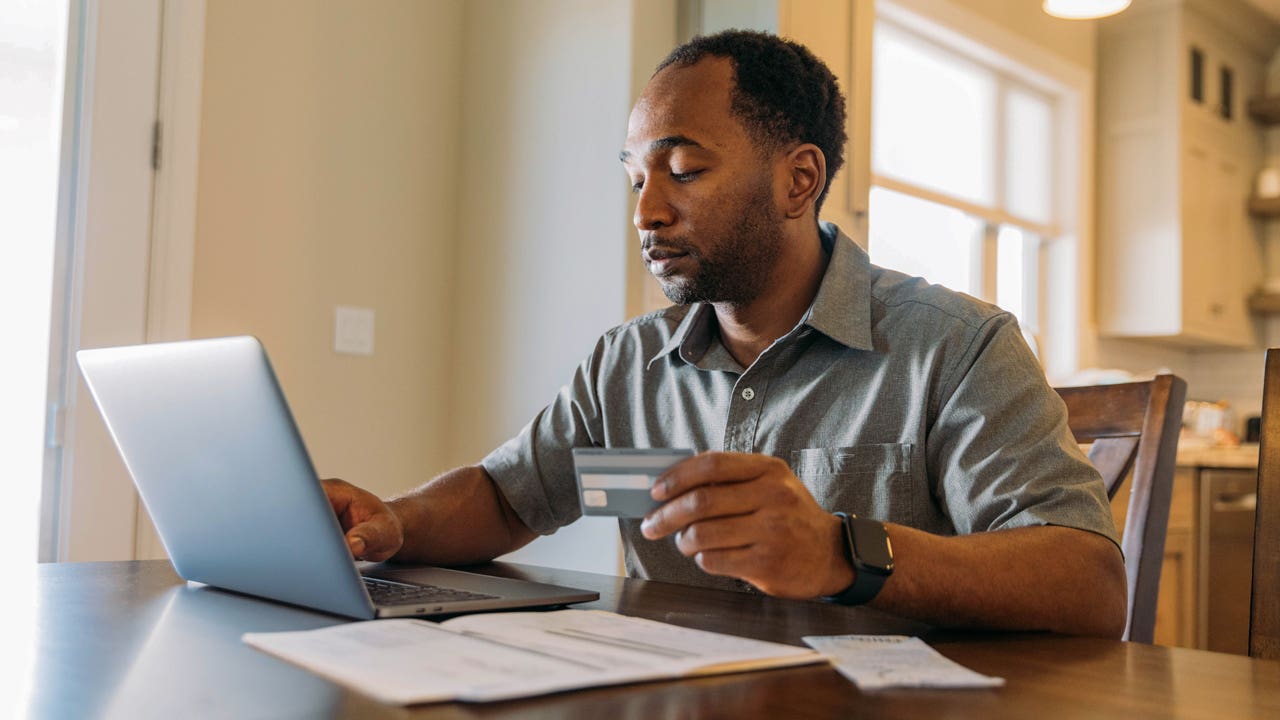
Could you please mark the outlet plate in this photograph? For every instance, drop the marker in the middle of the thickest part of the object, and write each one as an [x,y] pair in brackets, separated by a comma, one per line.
[352,330]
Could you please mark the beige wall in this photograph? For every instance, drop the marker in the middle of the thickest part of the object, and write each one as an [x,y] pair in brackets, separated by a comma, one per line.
[543,219]
[452,165]
[328,165]
[543,199]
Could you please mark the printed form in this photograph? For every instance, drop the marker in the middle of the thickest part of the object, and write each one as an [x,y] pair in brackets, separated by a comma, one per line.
[487,657]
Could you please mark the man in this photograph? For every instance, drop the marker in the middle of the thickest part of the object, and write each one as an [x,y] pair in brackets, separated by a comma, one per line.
[810,381]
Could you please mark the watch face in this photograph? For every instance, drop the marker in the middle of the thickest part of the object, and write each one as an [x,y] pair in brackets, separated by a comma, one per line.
[871,546]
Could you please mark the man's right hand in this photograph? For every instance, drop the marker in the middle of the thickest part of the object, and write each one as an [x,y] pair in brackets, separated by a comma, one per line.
[373,531]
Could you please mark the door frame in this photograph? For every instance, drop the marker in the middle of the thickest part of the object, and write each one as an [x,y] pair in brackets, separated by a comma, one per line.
[125,246]
[173,229]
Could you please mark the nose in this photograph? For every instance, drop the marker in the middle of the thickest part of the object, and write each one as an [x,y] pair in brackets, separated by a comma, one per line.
[653,210]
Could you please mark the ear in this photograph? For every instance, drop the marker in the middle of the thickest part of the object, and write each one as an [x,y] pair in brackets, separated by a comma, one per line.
[806,169]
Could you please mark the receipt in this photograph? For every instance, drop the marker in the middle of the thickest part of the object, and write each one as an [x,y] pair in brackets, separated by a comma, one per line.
[875,662]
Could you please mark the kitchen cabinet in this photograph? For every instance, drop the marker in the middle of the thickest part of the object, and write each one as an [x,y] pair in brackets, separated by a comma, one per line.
[1177,254]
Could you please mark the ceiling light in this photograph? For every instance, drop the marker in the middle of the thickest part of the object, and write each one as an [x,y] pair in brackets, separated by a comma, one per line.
[1084,9]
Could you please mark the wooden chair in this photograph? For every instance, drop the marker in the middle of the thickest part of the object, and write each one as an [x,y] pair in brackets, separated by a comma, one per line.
[1264,614]
[1134,426]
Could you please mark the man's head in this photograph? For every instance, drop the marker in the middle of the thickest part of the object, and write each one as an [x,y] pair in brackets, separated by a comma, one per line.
[782,93]
[731,149]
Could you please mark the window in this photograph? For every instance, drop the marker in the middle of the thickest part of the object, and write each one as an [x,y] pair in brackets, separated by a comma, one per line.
[32,66]
[33,38]
[963,171]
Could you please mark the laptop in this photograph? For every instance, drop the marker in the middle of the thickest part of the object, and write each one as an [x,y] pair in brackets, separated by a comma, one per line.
[205,431]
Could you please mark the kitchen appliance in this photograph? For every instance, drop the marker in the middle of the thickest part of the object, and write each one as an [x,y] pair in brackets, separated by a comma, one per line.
[1228,501]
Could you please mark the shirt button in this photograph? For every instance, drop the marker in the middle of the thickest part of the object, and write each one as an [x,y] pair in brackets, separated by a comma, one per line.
[748,393]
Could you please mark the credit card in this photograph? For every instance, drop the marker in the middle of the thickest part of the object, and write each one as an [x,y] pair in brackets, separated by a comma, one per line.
[616,481]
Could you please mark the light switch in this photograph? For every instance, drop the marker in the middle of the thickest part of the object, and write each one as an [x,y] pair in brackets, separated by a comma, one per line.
[353,330]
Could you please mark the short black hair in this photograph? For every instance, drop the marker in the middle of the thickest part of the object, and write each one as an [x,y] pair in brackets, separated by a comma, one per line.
[782,92]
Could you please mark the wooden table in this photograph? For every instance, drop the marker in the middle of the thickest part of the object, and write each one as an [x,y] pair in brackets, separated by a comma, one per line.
[132,640]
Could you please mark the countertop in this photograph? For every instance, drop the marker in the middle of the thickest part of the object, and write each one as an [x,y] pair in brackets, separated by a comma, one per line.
[1241,456]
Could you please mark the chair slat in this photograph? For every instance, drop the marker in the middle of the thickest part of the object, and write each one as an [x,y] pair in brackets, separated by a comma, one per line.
[1113,457]
[1099,411]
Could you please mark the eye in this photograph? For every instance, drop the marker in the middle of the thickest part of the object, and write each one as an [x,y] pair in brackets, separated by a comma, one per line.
[685,177]
[636,187]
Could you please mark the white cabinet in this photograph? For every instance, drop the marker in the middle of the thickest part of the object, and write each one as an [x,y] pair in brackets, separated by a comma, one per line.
[1177,256]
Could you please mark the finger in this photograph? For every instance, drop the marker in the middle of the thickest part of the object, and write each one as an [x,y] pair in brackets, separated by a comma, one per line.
[372,530]
[351,504]
[745,564]
[339,493]
[730,562]
[376,539]
[702,503]
[357,544]
[718,534]
[713,467]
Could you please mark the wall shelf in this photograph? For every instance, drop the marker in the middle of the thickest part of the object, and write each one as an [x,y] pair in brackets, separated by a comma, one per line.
[1264,303]
[1265,110]
[1261,207]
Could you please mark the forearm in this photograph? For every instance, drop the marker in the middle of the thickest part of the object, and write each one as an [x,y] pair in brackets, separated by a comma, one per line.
[458,518]
[1034,578]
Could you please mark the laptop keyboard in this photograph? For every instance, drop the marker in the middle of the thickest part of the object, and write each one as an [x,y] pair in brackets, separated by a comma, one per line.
[388,592]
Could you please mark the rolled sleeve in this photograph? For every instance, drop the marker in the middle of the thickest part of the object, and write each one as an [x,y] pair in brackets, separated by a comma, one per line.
[1003,454]
[534,469]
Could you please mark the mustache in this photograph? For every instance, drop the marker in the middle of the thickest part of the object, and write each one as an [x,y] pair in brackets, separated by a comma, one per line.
[674,245]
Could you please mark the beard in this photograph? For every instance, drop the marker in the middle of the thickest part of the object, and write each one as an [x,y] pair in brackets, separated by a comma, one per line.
[732,265]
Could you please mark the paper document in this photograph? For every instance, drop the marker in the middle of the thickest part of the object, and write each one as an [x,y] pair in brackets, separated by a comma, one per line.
[875,662]
[486,657]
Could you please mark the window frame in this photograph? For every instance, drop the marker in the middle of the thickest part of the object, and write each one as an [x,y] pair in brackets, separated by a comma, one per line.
[1062,301]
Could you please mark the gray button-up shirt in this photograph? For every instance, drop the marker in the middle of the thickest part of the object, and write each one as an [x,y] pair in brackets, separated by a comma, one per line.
[892,399]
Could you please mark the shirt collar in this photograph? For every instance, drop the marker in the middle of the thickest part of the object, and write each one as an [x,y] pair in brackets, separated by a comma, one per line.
[692,336]
[841,310]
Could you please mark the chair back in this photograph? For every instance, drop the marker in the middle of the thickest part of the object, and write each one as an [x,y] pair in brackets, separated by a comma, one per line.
[1264,613]
[1134,426]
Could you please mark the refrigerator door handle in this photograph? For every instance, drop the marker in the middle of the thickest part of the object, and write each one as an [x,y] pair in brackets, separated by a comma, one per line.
[1235,502]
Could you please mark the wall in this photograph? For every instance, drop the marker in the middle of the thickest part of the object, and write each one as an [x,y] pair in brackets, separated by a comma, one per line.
[1072,40]
[328,163]
[452,165]
[540,193]
[542,233]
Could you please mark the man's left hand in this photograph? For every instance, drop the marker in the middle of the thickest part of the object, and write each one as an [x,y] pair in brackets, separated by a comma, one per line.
[748,516]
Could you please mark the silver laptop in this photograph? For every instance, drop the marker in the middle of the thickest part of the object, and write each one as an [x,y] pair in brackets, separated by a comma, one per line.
[213,450]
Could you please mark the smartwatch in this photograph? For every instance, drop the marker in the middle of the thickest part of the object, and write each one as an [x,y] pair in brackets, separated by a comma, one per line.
[866,545]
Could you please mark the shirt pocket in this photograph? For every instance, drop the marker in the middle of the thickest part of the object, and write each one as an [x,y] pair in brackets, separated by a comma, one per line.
[871,481]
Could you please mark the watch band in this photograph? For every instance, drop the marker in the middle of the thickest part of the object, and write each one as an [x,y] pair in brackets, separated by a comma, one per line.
[868,577]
